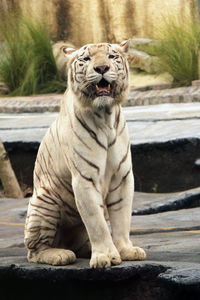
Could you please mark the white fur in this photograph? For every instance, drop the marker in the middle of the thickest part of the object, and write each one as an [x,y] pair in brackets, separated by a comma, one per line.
[87,147]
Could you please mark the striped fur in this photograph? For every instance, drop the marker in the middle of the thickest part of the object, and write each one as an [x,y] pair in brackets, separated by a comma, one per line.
[83,172]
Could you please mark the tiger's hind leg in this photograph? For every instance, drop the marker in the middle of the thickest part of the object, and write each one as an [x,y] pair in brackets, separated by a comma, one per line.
[75,238]
[53,256]
[82,243]
[40,231]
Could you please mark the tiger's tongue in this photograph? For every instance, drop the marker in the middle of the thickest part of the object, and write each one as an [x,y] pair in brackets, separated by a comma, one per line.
[103,91]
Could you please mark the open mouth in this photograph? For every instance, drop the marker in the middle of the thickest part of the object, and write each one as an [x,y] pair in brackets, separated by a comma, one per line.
[103,88]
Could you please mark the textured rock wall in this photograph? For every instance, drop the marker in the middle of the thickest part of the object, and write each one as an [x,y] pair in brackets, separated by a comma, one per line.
[91,21]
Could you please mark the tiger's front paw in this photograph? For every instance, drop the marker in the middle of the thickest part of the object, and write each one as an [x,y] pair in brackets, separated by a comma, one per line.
[133,253]
[101,260]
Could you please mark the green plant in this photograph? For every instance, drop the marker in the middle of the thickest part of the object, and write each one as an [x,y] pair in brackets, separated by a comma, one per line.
[155,188]
[178,48]
[27,64]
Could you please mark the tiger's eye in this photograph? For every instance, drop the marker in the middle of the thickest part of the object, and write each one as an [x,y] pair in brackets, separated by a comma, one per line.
[86,58]
[111,56]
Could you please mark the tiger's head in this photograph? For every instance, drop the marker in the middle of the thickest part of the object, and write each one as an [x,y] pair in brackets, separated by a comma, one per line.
[98,74]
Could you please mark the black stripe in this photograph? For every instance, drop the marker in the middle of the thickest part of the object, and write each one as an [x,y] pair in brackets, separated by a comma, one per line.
[57,133]
[47,174]
[60,180]
[79,73]
[51,133]
[66,203]
[126,68]
[49,195]
[48,150]
[41,207]
[122,129]
[124,158]
[71,214]
[46,215]
[87,161]
[42,238]
[80,139]
[99,116]
[116,209]
[122,180]
[36,175]
[43,200]
[113,142]
[85,177]
[65,186]
[62,183]
[115,202]
[42,241]
[90,131]
[117,119]
[38,162]
[38,228]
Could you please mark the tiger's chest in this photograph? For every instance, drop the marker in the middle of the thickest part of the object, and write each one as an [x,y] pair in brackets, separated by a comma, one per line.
[97,146]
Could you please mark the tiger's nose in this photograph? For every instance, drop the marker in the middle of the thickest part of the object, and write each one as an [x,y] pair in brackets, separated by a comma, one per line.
[102,69]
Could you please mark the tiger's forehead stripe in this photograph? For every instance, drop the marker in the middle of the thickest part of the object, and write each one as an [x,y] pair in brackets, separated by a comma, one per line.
[92,49]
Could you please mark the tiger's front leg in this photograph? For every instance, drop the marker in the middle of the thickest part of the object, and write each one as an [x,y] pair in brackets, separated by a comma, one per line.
[89,203]
[119,204]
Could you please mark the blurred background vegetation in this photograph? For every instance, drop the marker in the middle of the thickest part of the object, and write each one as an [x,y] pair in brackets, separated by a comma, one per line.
[27,64]
[30,29]
[178,48]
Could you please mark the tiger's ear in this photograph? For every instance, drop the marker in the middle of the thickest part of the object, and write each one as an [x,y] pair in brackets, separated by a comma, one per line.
[68,52]
[125,46]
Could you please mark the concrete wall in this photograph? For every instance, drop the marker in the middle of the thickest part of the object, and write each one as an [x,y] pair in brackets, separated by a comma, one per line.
[90,21]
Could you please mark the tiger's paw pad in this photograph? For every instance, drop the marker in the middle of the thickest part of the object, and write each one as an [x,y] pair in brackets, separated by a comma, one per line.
[56,257]
[133,253]
[101,260]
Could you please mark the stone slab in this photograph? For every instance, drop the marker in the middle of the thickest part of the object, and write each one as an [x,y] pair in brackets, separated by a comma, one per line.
[12,219]
[147,124]
[39,103]
[171,246]
[184,275]
[127,281]
[180,220]
[151,203]
[153,232]
[51,102]
[172,266]
[163,112]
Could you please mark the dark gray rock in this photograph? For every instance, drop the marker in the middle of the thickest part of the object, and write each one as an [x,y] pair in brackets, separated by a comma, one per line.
[127,281]
[131,280]
[160,277]
[185,275]
[78,271]
[146,203]
[182,282]
[166,167]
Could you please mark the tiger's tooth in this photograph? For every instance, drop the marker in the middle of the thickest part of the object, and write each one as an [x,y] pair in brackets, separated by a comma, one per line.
[109,87]
[97,88]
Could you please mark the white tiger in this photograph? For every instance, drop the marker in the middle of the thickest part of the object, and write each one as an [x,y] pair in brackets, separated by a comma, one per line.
[83,169]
